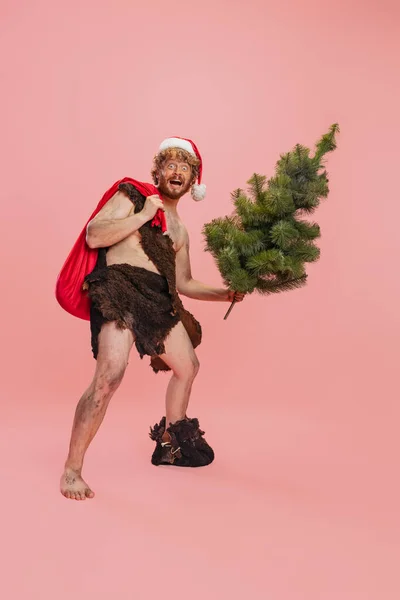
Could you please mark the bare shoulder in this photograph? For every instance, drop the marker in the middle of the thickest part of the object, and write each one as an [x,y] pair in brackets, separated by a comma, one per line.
[118,207]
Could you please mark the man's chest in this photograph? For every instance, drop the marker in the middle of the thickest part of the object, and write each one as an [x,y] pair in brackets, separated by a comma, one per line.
[175,231]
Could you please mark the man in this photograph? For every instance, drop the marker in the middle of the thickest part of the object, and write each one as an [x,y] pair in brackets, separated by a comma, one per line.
[142,264]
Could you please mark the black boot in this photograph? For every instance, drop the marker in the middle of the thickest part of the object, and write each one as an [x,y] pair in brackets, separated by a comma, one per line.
[156,434]
[186,446]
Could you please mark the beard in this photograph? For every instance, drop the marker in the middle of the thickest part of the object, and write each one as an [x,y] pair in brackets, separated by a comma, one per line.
[171,191]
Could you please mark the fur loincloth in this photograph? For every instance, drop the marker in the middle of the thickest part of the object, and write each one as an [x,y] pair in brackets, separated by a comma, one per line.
[143,301]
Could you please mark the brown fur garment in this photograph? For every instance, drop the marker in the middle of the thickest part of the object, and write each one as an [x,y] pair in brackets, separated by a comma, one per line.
[143,301]
[187,446]
[134,299]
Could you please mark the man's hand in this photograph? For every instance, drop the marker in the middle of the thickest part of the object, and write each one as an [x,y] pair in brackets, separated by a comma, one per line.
[151,206]
[235,296]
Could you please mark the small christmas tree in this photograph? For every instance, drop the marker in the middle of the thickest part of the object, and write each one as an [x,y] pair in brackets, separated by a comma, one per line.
[265,244]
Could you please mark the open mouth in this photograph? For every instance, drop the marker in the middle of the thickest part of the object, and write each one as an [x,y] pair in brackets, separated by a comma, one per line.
[175,183]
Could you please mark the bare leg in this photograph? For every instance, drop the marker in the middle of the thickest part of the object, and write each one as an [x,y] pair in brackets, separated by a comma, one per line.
[181,358]
[112,359]
[180,441]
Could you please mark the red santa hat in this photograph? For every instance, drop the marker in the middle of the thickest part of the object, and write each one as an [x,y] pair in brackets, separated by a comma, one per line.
[198,190]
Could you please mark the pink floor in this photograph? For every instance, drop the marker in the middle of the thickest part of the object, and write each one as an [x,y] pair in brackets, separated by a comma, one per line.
[295,507]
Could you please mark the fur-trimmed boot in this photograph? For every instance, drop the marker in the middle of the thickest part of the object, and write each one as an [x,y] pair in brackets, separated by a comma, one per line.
[186,446]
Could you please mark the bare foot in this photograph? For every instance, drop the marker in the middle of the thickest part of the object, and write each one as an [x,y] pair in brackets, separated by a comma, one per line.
[72,486]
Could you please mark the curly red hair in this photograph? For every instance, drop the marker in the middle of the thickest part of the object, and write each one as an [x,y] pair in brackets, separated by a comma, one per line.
[177,154]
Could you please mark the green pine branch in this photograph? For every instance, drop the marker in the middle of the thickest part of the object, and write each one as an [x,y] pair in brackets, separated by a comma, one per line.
[277,285]
[264,246]
[327,143]
[306,230]
[283,234]
[266,262]
[257,185]
[304,252]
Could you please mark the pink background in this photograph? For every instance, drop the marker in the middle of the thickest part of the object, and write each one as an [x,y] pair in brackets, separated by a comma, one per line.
[297,392]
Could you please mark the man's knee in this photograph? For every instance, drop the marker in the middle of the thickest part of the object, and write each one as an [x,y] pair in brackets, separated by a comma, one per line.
[188,369]
[111,375]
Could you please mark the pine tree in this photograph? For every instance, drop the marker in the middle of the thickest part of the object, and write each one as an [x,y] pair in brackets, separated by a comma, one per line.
[265,244]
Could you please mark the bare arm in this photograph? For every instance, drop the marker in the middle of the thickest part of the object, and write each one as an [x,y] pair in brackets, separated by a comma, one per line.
[187,286]
[116,220]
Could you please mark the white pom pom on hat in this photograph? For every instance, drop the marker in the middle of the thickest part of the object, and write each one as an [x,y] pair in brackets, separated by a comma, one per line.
[198,189]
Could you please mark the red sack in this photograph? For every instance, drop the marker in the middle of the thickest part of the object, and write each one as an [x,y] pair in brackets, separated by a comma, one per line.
[82,259]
